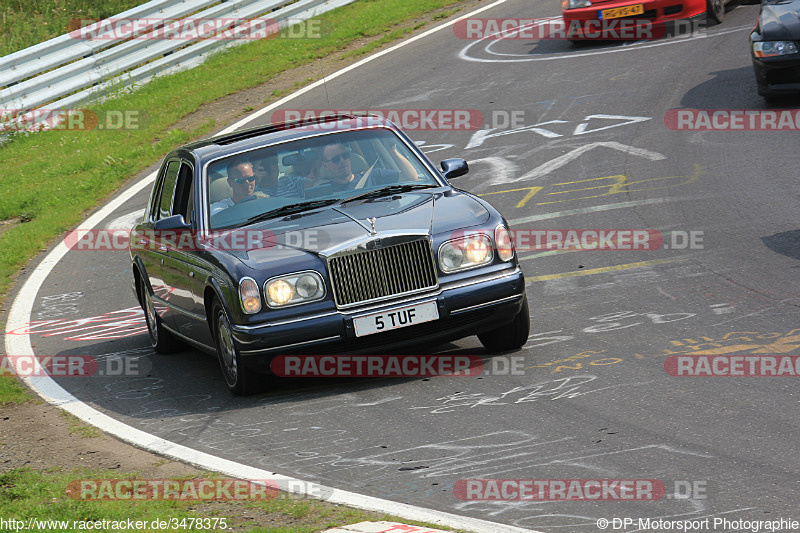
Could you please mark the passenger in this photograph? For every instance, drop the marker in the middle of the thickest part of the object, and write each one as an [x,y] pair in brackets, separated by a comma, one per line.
[270,185]
[266,170]
[336,159]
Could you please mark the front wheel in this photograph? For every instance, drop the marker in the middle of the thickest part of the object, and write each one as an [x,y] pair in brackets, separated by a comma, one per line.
[239,379]
[716,9]
[512,336]
[161,340]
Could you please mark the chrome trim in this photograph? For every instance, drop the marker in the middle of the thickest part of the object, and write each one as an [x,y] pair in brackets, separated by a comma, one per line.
[486,304]
[381,240]
[285,346]
[489,277]
[382,305]
[354,219]
[239,327]
[206,348]
[355,291]
[365,312]
[182,311]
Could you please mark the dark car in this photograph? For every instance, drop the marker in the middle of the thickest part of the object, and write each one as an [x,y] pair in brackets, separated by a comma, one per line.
[250,265]
[774,46]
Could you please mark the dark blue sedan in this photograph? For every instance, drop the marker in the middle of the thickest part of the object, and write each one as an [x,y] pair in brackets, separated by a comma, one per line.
[329,236]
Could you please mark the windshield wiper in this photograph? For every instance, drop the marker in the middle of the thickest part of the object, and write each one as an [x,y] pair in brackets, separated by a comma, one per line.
[390,189]
[290,208]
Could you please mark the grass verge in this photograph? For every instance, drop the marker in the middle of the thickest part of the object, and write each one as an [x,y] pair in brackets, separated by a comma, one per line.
[24,23]
[53,498]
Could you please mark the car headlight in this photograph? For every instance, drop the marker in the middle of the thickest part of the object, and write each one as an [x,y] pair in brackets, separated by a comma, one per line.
[774,48]
[293,289]
[249,296]
[465,253]
[574,4]
[505,246]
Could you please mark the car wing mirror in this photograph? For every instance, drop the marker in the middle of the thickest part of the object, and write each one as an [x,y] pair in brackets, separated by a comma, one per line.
[175,222]
[453,168]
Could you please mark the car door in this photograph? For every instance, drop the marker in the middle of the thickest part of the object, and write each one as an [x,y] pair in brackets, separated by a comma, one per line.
[150,248]
[188,268]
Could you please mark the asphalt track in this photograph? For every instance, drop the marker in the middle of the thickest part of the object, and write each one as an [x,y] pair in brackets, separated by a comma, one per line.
[594,402]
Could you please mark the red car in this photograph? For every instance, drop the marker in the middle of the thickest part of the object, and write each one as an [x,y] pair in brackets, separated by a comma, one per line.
[631,20]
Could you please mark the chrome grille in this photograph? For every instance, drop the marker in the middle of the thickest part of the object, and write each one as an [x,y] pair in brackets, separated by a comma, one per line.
[381,273]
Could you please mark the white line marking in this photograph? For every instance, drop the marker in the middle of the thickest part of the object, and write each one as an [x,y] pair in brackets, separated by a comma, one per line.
[49,390]
[605,207]
[560,161]
[518,58]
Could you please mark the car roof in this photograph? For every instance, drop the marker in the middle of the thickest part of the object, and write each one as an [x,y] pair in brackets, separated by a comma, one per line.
[243,140]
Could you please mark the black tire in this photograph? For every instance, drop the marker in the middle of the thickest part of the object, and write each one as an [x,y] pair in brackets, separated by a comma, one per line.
[716,10]
[512,336]
[239,379]
[161,340]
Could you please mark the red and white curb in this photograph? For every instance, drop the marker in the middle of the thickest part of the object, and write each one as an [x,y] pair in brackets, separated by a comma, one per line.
[383,527]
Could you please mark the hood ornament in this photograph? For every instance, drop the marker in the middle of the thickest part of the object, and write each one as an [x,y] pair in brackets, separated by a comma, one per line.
[372,223]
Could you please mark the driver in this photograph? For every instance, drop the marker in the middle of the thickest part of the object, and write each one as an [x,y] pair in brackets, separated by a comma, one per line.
[336,158]
[242,180]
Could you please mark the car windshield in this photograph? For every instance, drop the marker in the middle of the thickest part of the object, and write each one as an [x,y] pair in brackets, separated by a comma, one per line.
[311,173]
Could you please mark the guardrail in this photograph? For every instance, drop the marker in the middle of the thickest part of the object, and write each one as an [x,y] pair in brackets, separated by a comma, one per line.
[65,71]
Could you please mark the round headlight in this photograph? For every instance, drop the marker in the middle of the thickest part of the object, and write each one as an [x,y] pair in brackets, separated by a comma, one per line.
[476,251]
[280,292]
[451,258]
[306,286]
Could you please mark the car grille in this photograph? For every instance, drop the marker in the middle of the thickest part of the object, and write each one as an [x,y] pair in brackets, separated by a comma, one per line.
[381,273]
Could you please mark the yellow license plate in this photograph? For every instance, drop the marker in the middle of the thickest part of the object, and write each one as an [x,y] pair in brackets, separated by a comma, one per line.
[619,12]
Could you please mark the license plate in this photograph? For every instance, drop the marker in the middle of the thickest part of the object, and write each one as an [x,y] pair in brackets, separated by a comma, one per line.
[619,12]
[395,319]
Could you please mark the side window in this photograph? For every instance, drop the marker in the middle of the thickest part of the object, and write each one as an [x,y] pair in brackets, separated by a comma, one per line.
[155,199]
[168,190]
[184,193]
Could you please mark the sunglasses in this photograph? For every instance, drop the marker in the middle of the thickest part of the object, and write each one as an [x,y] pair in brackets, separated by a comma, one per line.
[335,159]
[241,181]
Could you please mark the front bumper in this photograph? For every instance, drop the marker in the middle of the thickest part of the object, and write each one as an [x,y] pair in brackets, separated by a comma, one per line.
[776,75]
[661,18]
[465,308]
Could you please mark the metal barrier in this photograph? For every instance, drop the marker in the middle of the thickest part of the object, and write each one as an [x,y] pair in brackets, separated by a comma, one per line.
[66,71]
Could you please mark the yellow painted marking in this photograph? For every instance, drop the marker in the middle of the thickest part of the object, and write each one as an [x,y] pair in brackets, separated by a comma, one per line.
[607,269]
[620,184]
[528,196]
